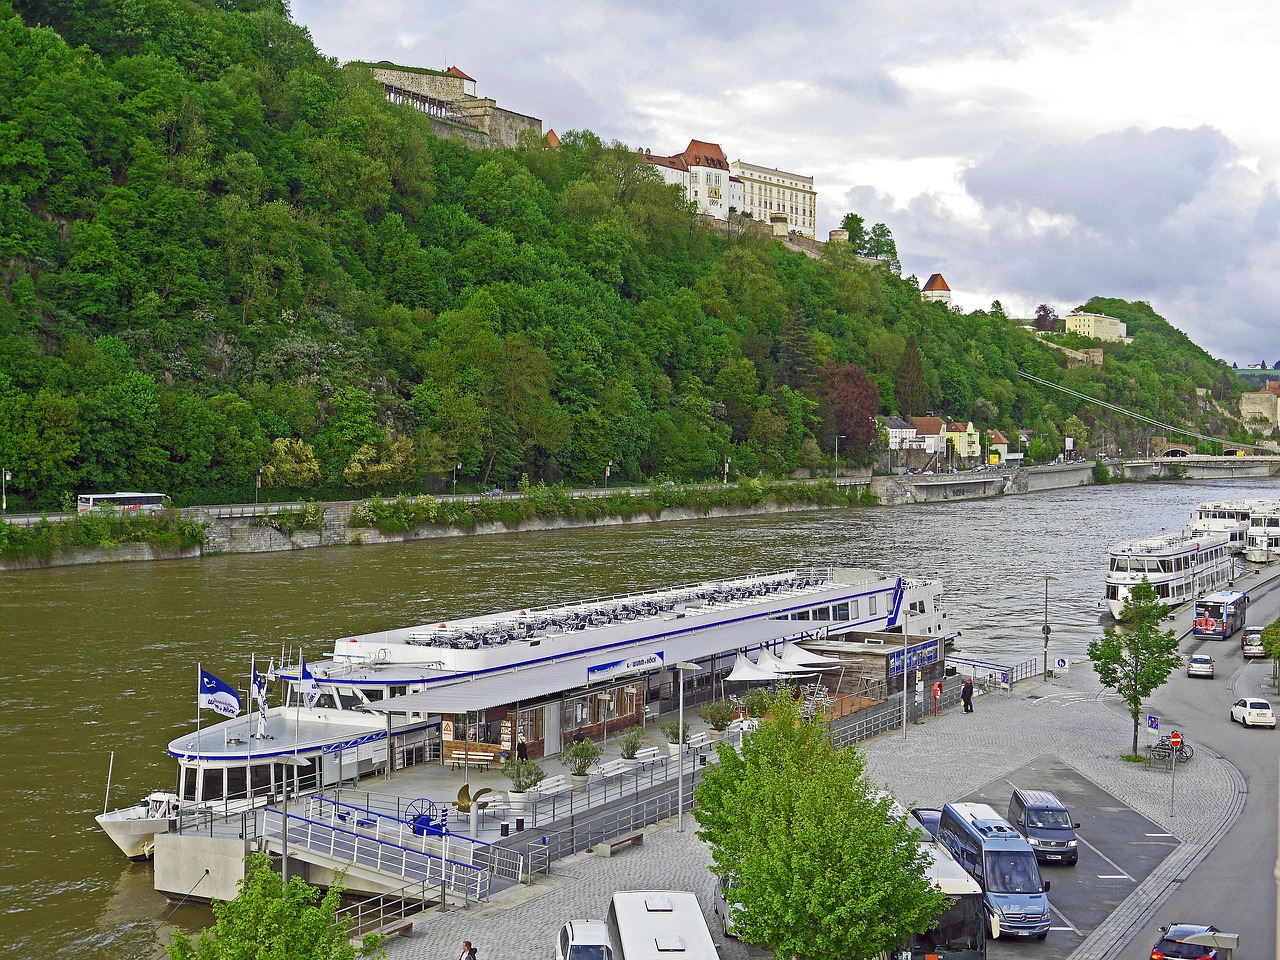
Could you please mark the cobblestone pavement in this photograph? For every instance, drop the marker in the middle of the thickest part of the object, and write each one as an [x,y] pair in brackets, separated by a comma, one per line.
[939,760]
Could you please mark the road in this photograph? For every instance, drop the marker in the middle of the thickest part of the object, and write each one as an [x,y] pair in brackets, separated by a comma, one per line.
[1234,887]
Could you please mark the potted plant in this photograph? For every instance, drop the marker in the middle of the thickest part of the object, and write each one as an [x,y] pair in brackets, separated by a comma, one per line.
[677,732]
[631,741]
[524,776]
[718,713]
[757,701]
[578,757]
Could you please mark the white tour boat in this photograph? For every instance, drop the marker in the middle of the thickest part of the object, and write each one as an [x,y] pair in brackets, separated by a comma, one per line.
[1180,566]
[1231,517]
[1263,538]
[134,828]
[468,686]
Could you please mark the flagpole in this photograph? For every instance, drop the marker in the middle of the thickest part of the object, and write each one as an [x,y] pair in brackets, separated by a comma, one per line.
[199,672]
[248,730]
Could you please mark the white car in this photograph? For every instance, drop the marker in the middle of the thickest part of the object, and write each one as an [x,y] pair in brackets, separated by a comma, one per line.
[1253,712]
[584,940]
[723,909]
[1200,665]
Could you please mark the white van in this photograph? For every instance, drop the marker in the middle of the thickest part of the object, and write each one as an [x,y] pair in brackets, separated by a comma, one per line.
[659,925]
[1251,643]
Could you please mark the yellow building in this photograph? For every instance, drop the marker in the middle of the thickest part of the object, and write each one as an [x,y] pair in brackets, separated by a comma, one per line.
[1096,326]
[964,439]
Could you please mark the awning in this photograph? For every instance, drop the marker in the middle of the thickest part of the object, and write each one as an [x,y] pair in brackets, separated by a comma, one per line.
[781,668]
[522,683]
[745,670]
[791,653]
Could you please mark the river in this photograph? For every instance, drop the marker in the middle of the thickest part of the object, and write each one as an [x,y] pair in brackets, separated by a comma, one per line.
[103,658]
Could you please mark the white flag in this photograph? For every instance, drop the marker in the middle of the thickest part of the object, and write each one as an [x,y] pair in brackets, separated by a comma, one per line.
[307,684]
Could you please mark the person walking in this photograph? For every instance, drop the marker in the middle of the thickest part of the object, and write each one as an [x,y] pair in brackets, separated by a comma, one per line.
[966,694]
[522,751]
[468,951]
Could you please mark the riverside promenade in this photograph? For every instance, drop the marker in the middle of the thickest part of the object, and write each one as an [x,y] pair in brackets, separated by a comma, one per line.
[1070,719]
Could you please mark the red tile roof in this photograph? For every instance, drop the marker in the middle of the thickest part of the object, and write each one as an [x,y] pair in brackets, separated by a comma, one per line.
[998,437]
[927,426]
[697,154]
[552,140]
[935,283]
[455,72]
[1272,387]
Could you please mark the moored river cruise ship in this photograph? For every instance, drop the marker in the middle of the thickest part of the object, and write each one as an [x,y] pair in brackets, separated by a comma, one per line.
[456,691]
[1180,566]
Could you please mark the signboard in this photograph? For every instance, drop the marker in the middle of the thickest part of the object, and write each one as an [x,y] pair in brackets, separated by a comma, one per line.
[647,661]
[920,655]
[1175,739]
[1153,722]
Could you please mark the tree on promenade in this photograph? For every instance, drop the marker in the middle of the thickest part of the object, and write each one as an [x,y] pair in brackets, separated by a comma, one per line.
[1136,658]
[272,917]
[1271,644]
[822,869]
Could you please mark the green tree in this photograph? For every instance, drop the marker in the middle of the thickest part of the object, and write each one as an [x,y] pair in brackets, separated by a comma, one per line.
[823,869]
[273,918]
[291,463]
[1271,644]
[1136,659]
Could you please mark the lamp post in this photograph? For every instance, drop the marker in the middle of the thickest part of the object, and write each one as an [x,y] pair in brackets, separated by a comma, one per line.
[680,671]
[257,484]
[4,491]
[726,470]
[605,700]
[906,640]
[1047,578]
[456,468]
[839,437]
[608,468]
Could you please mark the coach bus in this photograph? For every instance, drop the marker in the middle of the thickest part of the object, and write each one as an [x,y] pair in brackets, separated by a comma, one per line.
[122,503]
[1219,615]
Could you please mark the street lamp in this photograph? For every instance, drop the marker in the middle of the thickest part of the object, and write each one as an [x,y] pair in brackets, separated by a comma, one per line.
[605,700]
[839,437]
[608,468]
[726,470]
[456,468]
[1047,578]
[4,491]
[906,640]
[257,485]
[680,669]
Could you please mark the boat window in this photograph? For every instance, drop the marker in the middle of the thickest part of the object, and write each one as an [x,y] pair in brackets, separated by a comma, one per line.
[190,777]
[213,784]
[853,609]
[802,615]
[842,611]
[871,605]
[348,698]
[235,782]
[822,613]
[399,691]
[372,694]
[261,778]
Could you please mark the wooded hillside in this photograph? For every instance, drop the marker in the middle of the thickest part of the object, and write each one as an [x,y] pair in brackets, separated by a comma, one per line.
[222,251]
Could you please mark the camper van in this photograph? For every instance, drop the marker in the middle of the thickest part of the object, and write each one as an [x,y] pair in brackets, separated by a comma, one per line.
[1003,863]
[659,925]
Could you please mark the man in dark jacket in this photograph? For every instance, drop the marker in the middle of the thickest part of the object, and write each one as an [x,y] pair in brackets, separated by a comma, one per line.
[966,695]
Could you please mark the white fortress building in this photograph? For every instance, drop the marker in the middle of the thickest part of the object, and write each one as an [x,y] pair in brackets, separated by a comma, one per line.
[767,191]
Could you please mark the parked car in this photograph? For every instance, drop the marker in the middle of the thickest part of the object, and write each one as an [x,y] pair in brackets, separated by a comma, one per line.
[1253,712]
[1047,824]
[1251,647]
[1172,946]
[1200,665]
[494,492]
[720,905]
[584,940]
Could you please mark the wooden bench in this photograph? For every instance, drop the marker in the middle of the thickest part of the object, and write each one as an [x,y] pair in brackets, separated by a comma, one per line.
[652,755]
[606,847]
[403,927]
[552,785]
[471,758]
[613,768]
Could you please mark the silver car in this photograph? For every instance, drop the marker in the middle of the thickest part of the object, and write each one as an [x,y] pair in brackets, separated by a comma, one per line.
[724,908]
[1200,665]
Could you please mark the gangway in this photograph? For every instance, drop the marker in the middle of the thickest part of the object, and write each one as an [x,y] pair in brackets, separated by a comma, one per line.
[435,862]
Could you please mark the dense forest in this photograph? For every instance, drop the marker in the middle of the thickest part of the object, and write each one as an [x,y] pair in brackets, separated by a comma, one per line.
[225,256]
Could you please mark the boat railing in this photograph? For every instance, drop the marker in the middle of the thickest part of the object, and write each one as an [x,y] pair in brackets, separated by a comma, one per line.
[459,868]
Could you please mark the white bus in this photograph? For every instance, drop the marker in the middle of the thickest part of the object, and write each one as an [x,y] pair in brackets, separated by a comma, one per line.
[123,503]
[659,925]
[961,929]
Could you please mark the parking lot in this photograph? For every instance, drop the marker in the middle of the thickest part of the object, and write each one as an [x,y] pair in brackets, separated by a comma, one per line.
[1118,849]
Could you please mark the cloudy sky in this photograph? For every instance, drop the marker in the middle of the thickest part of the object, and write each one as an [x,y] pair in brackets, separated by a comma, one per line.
[1031,151]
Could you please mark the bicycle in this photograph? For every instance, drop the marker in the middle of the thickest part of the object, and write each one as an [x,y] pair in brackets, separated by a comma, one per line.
[1163,749]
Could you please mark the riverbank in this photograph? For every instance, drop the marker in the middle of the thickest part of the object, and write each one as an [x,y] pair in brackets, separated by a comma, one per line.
[270,528]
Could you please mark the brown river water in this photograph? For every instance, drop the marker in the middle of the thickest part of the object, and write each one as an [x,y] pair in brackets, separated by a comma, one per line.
[103,658]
